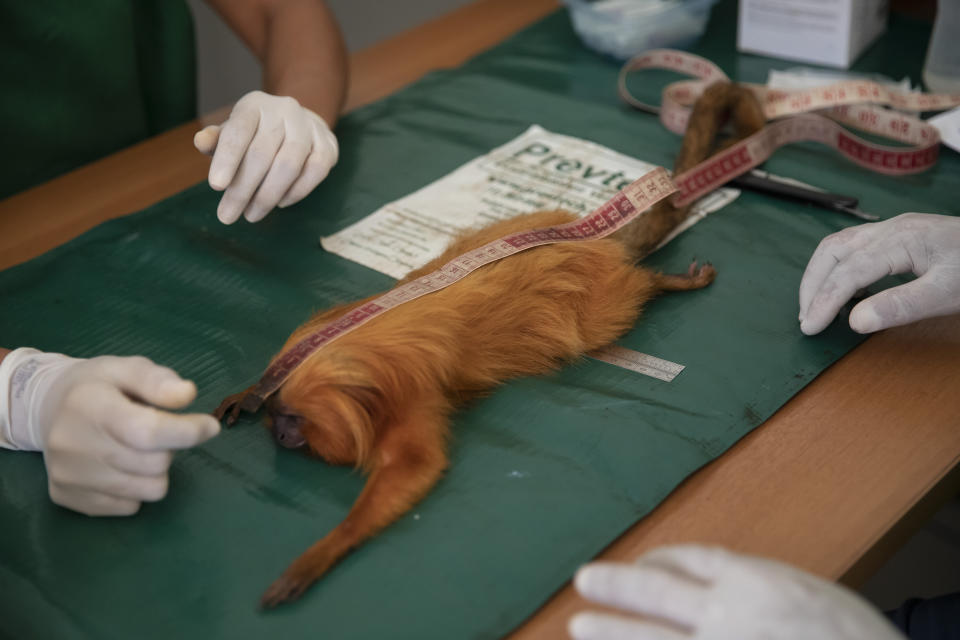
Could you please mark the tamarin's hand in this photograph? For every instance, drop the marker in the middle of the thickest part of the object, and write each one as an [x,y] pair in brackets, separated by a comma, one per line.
[691,592]
[925,244]
[270,152]
[106,439]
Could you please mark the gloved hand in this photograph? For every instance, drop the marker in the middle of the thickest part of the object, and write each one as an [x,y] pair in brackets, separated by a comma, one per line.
[702,593]
[846,261]
[270,152]
[105,447]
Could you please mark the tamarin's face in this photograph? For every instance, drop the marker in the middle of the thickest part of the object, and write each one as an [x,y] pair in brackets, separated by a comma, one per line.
[334,421]
[285,424]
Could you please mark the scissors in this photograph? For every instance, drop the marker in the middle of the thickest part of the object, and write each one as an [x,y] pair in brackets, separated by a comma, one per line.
[782,187]
[764,182]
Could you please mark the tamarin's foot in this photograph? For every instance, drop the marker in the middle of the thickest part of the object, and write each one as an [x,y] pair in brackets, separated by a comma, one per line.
[232,404]
[696,277]
[701,275]
[284,589]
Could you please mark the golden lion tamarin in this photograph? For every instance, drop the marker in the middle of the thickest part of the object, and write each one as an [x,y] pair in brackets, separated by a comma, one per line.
[379,397]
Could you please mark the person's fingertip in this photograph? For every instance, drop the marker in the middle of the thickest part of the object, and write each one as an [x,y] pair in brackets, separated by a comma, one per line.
[199,141]
[292,197]
[185,387]
[864,319]
[578,624]
[808,327]
[256,215]
[211,427]
[205,140]
[222,170]
[585,625]
[584,579]
[176,392]
[227,215]
[219,180]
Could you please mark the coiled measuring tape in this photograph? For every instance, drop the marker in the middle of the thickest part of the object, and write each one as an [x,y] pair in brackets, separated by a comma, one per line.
[850,103]
[840,103]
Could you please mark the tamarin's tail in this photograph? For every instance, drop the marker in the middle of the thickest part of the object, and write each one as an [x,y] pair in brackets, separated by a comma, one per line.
[719,103]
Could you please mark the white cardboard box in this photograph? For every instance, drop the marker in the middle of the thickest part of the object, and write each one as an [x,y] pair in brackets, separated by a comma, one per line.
[827,32]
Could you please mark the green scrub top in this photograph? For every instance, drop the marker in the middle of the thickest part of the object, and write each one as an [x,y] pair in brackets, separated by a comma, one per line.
[83,79]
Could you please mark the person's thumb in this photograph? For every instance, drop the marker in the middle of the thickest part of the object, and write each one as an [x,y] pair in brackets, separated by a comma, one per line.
[924,297]
[206,139]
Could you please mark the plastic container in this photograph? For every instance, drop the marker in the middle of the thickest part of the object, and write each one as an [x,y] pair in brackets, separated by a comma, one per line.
[941,71]
[624,28]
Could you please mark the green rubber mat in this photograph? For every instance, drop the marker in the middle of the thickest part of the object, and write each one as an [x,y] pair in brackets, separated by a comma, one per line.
[545,472]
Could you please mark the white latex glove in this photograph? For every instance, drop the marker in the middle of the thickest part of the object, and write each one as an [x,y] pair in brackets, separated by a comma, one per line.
[849,260]
[270,152]
[105,447]
[704,593]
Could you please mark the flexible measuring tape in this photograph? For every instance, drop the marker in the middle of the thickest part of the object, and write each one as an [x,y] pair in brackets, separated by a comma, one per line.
[836,102]
[849,103]
[623,207]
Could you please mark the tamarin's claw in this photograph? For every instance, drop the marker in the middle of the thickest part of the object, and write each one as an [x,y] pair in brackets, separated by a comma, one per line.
[701,272]
[284,589]
[230,404]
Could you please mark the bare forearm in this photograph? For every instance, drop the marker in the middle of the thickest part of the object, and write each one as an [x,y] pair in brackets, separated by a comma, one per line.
[300,47]
[306,58]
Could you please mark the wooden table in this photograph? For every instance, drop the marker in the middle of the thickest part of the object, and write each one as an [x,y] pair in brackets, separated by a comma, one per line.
[832,483]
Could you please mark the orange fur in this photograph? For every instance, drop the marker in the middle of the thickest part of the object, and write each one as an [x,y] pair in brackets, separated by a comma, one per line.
[379,397]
